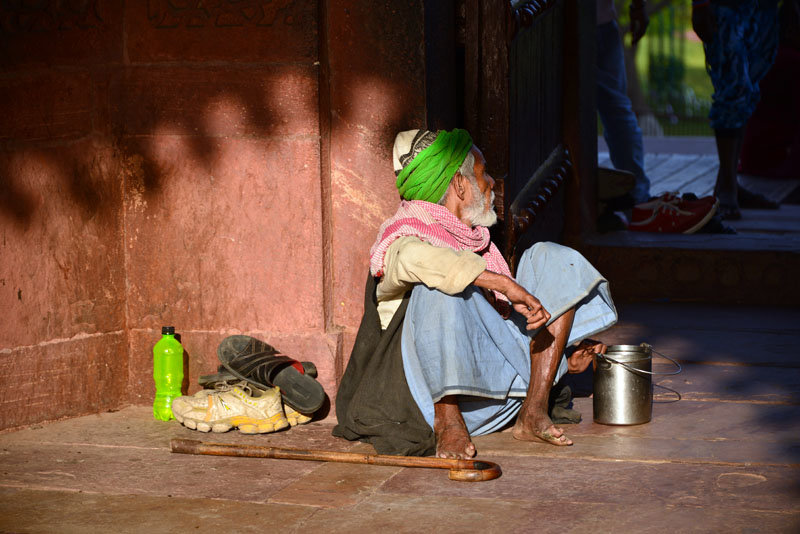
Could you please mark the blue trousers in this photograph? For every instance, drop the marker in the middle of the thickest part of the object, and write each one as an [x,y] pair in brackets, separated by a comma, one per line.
[460,345]
[738,57]
[620,127]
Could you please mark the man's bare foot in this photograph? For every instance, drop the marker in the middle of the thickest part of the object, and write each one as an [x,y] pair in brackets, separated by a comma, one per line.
[452,437]
[454,442]
[584,355]
[539,429]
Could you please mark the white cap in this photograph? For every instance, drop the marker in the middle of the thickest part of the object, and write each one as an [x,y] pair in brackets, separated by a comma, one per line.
[408,144]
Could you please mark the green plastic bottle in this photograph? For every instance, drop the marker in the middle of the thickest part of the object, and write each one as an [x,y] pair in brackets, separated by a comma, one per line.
[167,372]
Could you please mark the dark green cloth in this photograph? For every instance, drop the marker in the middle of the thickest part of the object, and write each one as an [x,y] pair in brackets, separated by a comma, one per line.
[373,403]
[560,406]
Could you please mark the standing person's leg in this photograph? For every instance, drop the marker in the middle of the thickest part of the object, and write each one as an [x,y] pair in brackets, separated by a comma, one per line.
[620,127]
[728,59]
[761,42]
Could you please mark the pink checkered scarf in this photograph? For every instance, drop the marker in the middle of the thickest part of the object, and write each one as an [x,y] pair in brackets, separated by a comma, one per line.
[438,226]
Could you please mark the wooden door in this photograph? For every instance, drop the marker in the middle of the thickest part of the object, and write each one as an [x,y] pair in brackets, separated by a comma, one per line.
[528,66]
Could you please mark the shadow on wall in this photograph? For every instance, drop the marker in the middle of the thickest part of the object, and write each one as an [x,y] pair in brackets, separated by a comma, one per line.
[28,176]
[166,161]
[195,74]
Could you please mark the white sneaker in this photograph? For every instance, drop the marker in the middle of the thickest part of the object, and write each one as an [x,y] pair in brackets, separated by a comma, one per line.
[294,417]
[253,411]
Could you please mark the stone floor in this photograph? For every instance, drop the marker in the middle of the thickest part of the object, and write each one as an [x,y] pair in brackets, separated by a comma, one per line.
[725,458]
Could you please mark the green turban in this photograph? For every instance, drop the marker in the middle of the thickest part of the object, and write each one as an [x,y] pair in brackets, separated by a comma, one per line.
[426,175]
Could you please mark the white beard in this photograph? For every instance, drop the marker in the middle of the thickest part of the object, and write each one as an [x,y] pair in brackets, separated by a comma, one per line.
[481,211]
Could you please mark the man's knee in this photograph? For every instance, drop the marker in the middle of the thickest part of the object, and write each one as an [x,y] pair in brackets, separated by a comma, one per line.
[445,311]
[548,250]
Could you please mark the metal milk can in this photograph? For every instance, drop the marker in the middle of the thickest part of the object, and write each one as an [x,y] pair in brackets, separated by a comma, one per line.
[623,385]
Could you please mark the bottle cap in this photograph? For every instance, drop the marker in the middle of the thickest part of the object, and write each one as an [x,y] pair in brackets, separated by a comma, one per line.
[167,330]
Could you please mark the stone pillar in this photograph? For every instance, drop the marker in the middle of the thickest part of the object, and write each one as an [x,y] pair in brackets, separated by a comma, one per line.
[376,89]
[63,344]
[220,167]
[217,117]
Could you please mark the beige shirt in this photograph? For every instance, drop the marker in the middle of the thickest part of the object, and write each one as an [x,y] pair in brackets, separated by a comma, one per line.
[410,261]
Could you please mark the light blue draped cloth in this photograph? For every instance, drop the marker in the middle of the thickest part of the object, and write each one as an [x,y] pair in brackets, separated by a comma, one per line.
[460,345]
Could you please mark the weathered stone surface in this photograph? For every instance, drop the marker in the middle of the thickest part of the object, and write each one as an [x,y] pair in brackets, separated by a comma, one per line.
[485,514]
[702,333]
[61,273]
[41,510]
[734,383]
[363,197]
[711,347]
[81,512]
[335,485]
[46,106]
[695,432]
[348,341]
[279,101]
[222,241]
[58,378]
[156,472]
[135,427]
[616,483]
[374,94]
[43,34]
[232,31]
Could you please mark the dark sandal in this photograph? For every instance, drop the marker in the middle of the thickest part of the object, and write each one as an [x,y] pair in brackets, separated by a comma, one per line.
[755,201]
[223,376]
[257,362]
[729,213]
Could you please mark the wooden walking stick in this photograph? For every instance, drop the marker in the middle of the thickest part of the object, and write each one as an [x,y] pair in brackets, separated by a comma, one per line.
[463,470]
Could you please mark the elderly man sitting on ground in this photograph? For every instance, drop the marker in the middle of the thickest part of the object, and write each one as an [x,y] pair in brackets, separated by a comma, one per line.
[451,344]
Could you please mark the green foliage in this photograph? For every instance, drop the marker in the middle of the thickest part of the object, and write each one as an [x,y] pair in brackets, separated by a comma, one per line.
[671,65]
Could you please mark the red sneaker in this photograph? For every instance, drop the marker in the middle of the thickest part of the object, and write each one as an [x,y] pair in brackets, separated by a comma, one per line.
[674,217]
[689,201]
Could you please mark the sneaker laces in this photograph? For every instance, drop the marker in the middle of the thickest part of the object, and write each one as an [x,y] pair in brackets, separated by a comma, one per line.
[657,207]
[669,197]
[244,385]
[670,206]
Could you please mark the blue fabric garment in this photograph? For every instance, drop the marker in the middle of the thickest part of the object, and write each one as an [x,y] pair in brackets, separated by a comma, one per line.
[620,127]
[738,57]
[460,345]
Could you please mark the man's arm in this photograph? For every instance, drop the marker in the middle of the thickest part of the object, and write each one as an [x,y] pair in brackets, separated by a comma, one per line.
[410,260]
[522,301]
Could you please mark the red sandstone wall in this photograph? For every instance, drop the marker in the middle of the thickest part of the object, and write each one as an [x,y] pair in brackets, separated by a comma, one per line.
[377,88]
[221,169]
[217,117]
[62,282]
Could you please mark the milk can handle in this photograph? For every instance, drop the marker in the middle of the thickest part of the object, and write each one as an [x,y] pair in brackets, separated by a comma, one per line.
[640,371]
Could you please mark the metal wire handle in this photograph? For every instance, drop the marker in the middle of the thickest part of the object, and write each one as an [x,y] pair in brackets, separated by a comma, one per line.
[640,371]
[668,401]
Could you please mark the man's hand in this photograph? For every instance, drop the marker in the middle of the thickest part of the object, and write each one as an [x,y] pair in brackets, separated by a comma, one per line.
[528,305]
[522,301]
[639,21]
[703,22]
[502,306]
